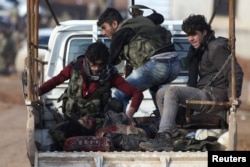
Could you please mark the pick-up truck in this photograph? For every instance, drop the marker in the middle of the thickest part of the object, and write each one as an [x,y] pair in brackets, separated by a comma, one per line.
[68,40]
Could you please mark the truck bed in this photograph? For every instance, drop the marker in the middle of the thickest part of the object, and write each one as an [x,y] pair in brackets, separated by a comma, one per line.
[67,38]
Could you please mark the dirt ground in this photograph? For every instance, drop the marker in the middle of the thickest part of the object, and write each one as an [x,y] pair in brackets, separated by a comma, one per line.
[13,124]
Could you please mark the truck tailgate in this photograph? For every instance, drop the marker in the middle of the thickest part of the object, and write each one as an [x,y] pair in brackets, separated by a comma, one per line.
[121,159]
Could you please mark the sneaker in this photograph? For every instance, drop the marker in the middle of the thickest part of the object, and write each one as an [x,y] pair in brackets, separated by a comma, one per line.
[162,142]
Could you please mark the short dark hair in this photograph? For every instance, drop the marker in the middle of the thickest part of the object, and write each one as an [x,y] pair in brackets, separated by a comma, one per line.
[97,51]
[195,23]
[110,15]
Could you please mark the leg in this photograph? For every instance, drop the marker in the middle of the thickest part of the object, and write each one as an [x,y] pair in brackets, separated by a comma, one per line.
[171,97]
[153,91]
[151,74]
[168,100]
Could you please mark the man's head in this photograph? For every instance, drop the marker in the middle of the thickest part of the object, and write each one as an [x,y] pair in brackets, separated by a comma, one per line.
[97,55]
[88,123]
[109,21]
[196,28]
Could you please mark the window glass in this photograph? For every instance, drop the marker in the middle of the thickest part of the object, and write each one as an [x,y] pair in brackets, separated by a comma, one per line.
[223,8]
[78,47]
[182,46]
[43,40]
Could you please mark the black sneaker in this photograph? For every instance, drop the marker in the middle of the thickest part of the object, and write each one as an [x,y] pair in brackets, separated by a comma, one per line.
[162,142]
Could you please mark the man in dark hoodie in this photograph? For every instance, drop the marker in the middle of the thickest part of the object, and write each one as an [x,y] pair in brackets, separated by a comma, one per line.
[209,79]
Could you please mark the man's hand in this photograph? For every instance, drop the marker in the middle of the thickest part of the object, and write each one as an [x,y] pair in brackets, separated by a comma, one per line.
[127,70]
[236,101]
[36,90]
[130,114]
[87,122]
[131,121]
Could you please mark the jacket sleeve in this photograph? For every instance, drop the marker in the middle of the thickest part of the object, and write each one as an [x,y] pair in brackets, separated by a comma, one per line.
[238,79]
[193,67]
[222,54]
[121,84]
[119,40]
[56,80]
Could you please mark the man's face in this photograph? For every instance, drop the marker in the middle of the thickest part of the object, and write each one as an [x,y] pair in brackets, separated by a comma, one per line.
[96,67]
[87,122]
[109,29]
[197,38]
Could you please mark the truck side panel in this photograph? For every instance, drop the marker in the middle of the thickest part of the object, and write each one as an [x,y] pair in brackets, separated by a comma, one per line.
[125,159]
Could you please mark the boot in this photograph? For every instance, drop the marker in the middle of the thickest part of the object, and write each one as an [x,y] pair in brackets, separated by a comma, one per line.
[162,142]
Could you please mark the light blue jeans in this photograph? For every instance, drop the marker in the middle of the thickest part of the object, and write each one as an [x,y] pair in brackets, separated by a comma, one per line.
[169,98]
[154,72]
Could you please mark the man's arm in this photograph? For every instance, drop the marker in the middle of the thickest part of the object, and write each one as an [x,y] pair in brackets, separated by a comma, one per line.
[56,80]
[219,55]
[238,79]
[119,40]
[137,95]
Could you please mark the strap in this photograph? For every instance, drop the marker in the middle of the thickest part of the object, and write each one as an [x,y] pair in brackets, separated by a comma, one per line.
[137,8]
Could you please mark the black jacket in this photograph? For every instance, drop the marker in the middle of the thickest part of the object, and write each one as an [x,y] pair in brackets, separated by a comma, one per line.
[213,58]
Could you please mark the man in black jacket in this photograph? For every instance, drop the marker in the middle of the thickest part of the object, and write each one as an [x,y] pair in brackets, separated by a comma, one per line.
[209,80]
[146,47]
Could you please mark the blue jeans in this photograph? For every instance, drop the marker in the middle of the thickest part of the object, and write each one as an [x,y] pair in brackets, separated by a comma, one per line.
[168,101]
[152,73]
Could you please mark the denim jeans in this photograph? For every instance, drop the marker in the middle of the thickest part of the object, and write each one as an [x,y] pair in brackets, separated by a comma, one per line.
[152,73]
[169,98]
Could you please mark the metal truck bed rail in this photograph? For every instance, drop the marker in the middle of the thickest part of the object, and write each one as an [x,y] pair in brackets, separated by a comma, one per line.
[118,159]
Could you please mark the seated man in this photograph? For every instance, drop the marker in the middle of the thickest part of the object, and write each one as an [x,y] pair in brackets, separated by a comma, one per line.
[207,56]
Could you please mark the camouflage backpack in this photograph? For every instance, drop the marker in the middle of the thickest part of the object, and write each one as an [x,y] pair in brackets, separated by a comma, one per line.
[149,39]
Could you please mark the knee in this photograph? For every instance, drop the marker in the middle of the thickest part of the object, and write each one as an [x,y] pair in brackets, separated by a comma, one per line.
[168,90]
[171,90]
[160,93]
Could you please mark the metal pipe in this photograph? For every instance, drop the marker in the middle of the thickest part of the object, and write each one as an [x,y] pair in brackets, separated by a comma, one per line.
[232,43]
[232,114]
[208,102]
[35,43]
[30,4]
